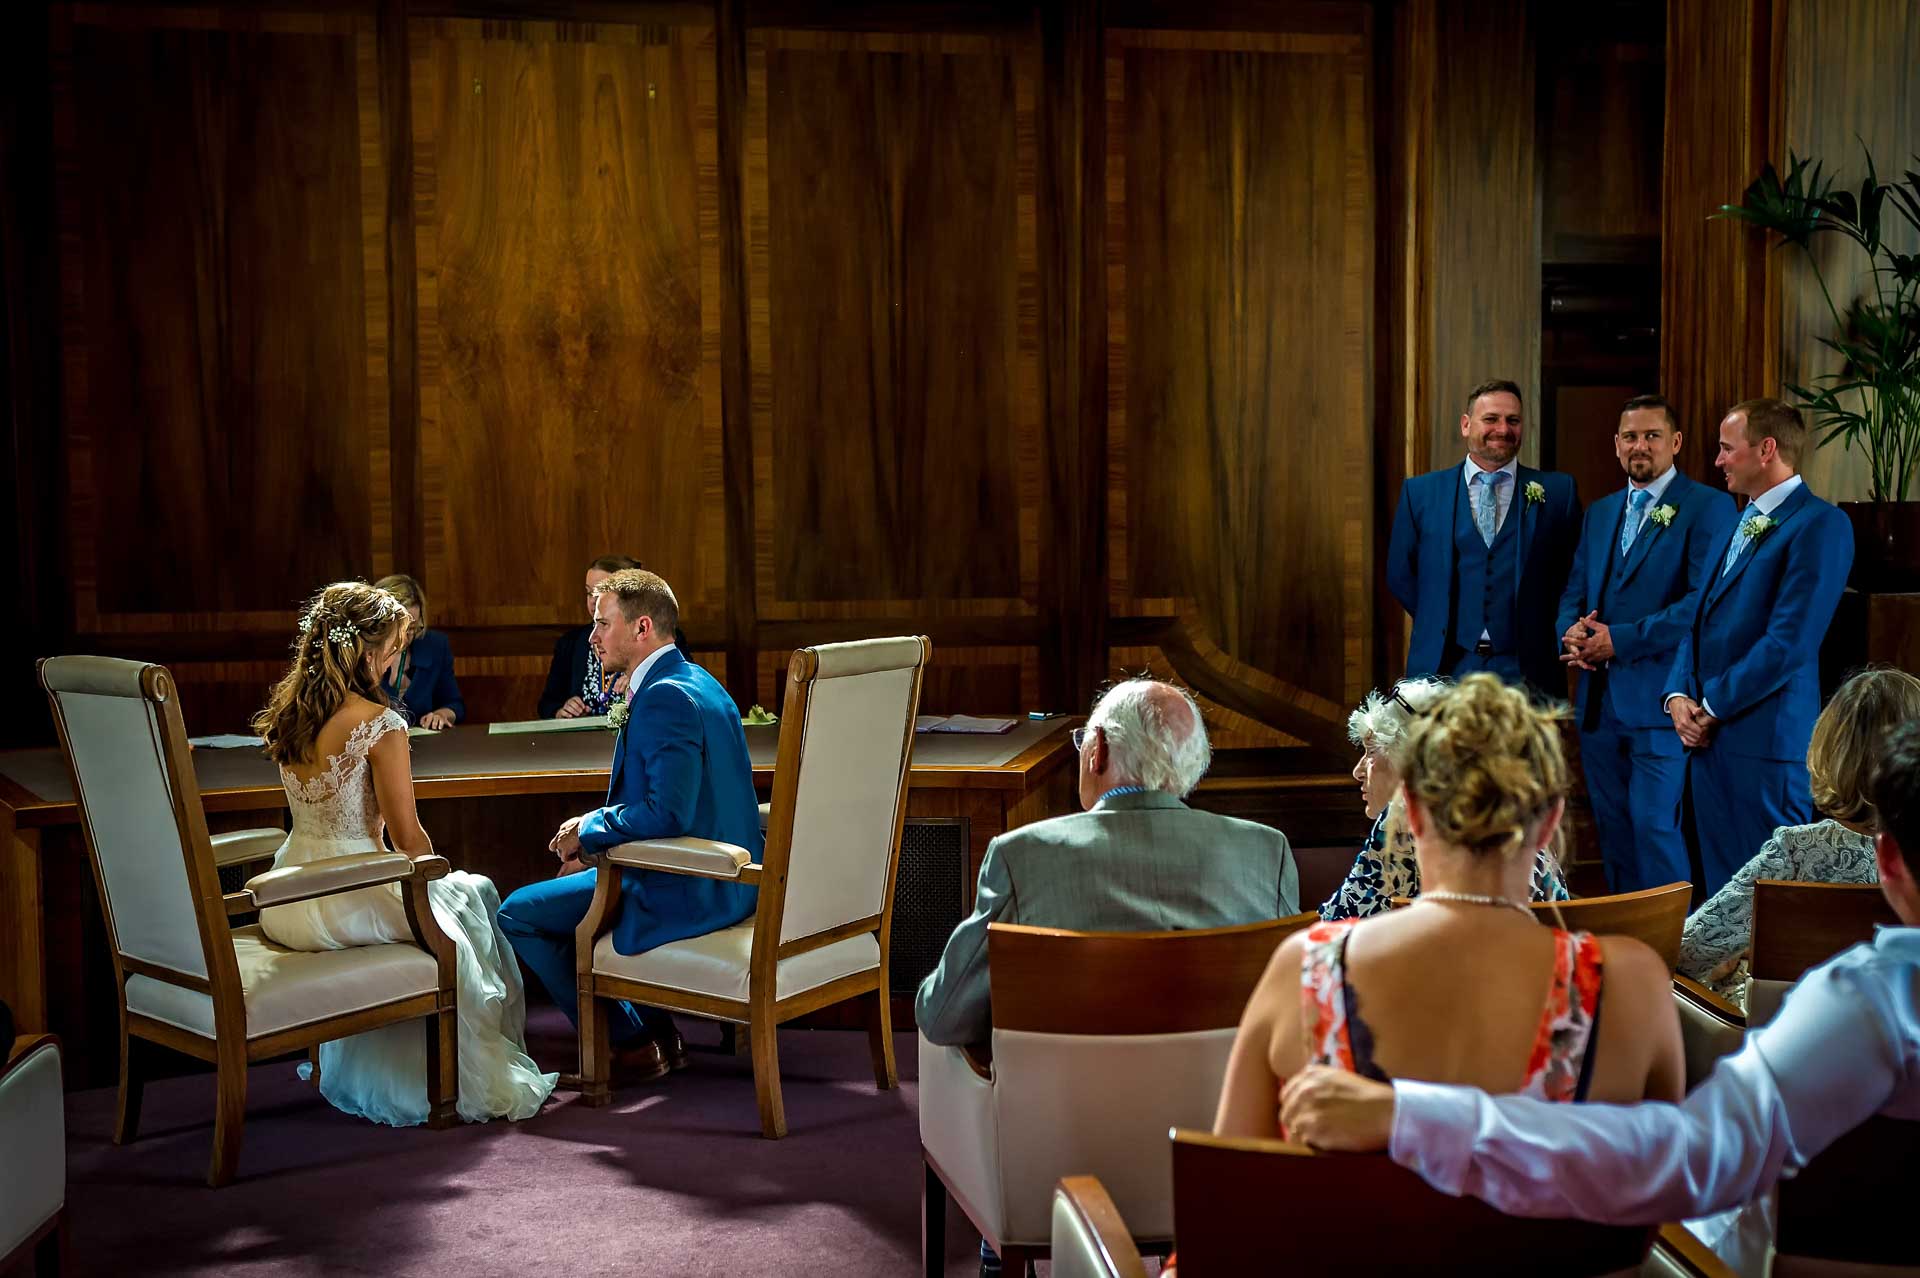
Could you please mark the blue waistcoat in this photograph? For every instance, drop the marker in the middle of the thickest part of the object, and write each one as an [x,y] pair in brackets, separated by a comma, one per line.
[1484,579]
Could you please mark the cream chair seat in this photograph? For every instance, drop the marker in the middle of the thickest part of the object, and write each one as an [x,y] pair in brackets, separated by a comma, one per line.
[188,979]
[33,1155]
[820,928]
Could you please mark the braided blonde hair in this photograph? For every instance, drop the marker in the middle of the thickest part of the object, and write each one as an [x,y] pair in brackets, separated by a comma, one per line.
[341,625]
[1485,764]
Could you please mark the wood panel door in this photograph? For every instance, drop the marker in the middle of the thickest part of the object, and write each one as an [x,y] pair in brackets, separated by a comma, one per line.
[1240,308]
[567,236]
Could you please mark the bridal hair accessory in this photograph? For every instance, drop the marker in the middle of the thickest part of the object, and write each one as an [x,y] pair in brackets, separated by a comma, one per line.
[342,634]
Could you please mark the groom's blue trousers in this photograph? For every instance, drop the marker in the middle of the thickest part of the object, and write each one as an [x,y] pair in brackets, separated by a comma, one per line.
[539,920]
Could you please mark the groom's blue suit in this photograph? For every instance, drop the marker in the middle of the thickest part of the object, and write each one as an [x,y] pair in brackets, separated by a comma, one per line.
[1752,657]
[680,768]
[1455,586]
[1635,766]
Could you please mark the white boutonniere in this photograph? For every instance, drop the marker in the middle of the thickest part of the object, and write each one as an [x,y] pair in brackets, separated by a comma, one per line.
[617,715]
[1536,491]
[1663,515]
[1759,526]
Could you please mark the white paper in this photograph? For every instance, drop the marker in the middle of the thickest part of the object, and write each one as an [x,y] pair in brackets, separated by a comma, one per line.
[225,741]
[961,723]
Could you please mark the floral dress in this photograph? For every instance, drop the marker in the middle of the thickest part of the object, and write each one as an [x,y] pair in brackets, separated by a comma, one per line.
[1559,1067]
[1386,868]
[1714,945]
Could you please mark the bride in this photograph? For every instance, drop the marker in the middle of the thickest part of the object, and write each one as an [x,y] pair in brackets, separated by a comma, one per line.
[344,761]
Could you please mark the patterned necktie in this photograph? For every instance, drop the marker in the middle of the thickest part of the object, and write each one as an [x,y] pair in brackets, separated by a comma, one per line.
[1740,539]
[1637,500]
[1486,503]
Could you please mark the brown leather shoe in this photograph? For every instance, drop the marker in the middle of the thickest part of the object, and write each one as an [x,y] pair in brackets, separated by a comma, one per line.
[641,1063]
[675,1052]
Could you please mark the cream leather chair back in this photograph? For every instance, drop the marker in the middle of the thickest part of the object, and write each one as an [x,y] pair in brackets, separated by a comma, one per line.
[33,1152]
[856,743]
[114,737]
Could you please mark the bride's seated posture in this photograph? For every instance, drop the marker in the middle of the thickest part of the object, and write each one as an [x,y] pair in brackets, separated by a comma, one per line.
[1465,985]
[344,760]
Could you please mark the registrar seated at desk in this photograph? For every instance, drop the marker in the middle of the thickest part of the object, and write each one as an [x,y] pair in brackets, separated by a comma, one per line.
[1138,859]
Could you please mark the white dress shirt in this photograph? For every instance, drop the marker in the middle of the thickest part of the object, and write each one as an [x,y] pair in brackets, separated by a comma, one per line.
[1502,493]
[1766,503]
[640,671]
[1844,1047]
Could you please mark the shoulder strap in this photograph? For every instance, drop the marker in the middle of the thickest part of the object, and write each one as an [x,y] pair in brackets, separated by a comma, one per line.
[1587,988]
[1336,1034]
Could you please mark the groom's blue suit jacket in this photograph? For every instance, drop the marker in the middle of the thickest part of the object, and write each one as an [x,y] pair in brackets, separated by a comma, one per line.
[1752,651]
[680,768]
[1421,566]
[1647,597]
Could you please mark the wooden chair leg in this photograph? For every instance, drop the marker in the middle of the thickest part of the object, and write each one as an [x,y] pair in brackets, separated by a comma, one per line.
[50,1253]
[313,1059]
[596,1052]
[1021,1260]
[126,1124]
[766,1073]
[880,1038]
[443,1069]
[230,1110]
[933,1222]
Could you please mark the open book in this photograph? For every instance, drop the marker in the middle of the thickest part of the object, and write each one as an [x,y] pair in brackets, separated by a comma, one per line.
[961,723]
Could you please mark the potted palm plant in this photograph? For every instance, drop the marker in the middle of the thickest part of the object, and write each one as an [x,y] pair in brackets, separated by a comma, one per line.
[1872,400]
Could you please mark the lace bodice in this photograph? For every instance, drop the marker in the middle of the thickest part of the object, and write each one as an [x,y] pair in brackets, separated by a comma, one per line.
[337,804]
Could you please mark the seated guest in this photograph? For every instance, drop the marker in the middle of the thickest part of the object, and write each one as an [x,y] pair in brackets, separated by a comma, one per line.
[1842,1049]
[1840,759]
[1386,866]
[576,685]
[1450,987]
[420,683]
[1137,860]
[680,768]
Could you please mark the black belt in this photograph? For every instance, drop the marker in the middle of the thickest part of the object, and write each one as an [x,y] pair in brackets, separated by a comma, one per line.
[1483,649]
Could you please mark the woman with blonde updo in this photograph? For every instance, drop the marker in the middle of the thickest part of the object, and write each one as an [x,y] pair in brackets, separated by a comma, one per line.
[344,762]
[1465,985]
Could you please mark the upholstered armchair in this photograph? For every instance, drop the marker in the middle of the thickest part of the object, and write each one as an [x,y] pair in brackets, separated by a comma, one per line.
[820,930]
[1101,1042]
[1090,1238]
[187,978]
[33,1155]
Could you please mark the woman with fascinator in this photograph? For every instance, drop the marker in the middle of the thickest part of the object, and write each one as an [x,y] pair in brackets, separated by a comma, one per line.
[344,761]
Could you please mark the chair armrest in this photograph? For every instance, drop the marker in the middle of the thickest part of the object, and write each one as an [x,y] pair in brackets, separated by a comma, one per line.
[1676,1251]
[766,815]
[328,876]
[1690,991]
[703,858]
[240,846]
[1088,1229]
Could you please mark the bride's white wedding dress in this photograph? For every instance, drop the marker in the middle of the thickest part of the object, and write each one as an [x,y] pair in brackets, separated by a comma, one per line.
[382,1073]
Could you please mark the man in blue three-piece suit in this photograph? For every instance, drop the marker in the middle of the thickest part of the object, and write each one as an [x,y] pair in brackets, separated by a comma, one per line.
[1745,685]
[680,768]
[1644,557]
[1480,553]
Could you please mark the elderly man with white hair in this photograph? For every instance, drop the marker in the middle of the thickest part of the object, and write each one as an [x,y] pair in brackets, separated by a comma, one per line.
[1137,860]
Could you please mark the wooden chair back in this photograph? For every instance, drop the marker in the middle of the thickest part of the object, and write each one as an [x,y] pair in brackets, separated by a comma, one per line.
[1056,981]
[1850,1203]
[1227,1194]
[1653,915]
[1797,926]
[839,793]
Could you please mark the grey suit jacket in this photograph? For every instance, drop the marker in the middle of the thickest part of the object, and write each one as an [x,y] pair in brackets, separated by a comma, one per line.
[1133,863]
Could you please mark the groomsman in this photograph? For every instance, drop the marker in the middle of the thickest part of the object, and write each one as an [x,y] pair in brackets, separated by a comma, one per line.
[1480,553]
[1745,685]
[1645,554]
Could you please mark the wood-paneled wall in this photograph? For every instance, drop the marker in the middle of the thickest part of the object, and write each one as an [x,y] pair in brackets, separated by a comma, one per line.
[1030,326]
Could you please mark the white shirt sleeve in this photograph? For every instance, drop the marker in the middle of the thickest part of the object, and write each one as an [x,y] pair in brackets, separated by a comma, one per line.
[1833,1057]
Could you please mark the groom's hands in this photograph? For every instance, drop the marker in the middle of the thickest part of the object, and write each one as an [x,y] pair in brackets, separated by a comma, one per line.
[566,841]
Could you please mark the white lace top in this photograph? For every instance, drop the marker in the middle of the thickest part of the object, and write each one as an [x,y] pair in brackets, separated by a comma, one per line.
[1713,948]
[337,805]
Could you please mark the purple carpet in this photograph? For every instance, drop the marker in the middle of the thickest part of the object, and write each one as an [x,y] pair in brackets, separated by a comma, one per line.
[673,1178]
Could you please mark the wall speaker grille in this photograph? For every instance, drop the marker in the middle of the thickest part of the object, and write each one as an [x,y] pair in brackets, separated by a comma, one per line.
[929,897]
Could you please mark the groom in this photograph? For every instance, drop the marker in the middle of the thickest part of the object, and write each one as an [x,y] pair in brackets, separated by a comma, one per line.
[680,768]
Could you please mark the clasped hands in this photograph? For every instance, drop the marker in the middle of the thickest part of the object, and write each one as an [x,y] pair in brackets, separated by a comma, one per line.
[1691,721]
[1589,643]
[566,845]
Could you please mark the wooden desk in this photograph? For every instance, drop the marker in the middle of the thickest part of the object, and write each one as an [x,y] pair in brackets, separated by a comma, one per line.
[490,802]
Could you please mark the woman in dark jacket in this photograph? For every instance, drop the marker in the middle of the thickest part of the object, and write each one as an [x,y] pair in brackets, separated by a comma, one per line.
[420,685]
[575,683]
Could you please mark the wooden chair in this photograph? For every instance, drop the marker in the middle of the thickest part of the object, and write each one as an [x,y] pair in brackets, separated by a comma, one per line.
[1654,915]
[187,978]
[1101,1042]
[1710,1027]
[33,1157]
[1241,1204]
[1797,926]
[820,930]
[1090,1240]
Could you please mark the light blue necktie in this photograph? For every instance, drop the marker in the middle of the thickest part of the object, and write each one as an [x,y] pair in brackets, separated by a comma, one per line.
[1637,500]
[1486,503]
[1740,539]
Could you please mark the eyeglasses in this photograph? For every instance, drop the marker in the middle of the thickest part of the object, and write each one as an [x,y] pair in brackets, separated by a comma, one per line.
[1403,703]
[1080,737]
